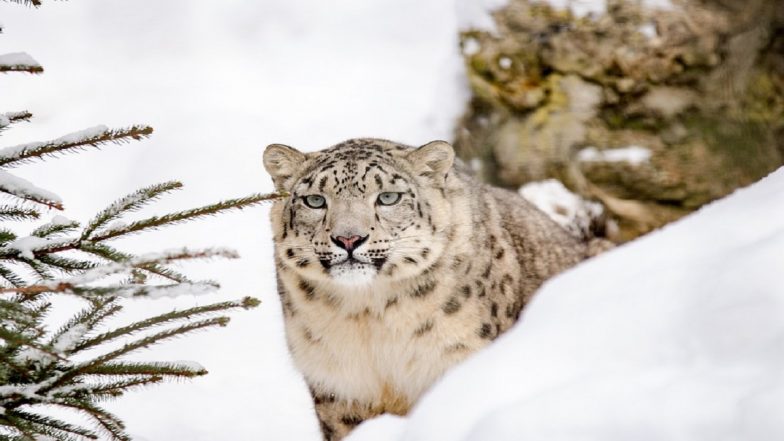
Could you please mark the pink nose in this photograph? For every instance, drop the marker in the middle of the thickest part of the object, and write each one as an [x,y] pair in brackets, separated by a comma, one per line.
[348,243]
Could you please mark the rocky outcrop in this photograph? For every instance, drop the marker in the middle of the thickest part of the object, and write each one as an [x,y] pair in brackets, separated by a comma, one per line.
[652,112]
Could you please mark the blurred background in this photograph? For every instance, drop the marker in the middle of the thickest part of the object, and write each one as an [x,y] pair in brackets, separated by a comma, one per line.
[643,111]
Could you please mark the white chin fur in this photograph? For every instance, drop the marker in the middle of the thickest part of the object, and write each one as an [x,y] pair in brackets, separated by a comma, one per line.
[352,274]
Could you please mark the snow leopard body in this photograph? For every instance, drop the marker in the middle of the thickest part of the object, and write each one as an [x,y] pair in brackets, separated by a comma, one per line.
[379,298]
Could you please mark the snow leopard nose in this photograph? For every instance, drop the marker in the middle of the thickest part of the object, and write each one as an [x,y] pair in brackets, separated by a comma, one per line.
[348,243]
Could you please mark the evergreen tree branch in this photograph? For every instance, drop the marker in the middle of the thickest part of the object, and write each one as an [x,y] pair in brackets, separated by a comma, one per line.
[93,137]
[132,202]
[115,389]
[8,118]
[245,303]
[25,190]
[14,213]
[141,343]
[43,424]
[106,252]
[178,217]
[106,421]
[55,228]
[12,278]
[34,3]
[171,369]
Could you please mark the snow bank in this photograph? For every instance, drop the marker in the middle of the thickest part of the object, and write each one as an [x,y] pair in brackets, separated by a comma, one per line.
[569,210]
[676,336]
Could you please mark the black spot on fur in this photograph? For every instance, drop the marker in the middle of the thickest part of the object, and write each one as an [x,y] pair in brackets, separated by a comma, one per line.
[494,309]
[423,289]
[499,254]
[457,347]
[486,331]
[466,290]
[452,305]
[308,289]
[289,253]
[423,328]
[350,420]
[327,430]
[411,260]
[303,262]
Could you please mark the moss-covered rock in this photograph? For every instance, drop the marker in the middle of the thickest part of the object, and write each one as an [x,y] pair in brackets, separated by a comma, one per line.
[699,87]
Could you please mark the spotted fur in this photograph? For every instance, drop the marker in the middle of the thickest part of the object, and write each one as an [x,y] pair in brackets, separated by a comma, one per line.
[438,275]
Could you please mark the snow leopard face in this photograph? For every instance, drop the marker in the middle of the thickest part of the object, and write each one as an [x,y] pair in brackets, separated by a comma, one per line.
[362,211]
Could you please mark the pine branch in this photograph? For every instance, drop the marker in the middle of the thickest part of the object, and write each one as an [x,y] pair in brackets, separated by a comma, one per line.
[108,422]
[93,137]
[19,62]
[34,3]
[142,343]
[12,278]
[113,255]
[14,213]
[132,202]
[89,317]
[170,369]
[115,389]
[245,303]
[26,190]
[65,264]
[56,227]
[42,424]
[178,217]
[11,117]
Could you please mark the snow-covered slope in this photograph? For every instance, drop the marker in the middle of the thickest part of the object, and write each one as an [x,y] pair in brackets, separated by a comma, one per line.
[676,336]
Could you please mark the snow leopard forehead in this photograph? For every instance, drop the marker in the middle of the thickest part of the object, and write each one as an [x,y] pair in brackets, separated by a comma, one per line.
[357,166]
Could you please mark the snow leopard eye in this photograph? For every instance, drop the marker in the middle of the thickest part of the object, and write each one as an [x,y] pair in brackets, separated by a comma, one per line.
[315,201]
[388,198]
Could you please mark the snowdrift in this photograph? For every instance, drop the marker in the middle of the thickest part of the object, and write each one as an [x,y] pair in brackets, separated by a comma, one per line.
[676,336]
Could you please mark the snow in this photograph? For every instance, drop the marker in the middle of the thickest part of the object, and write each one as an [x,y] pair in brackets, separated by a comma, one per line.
[71,138]
[569,210]
[18,59]
[25,189]
[674,336]
[595,8]
[633,154]
[471,46]
[27,245]
[219,81]
[477,14]
[70,338]
[505,62]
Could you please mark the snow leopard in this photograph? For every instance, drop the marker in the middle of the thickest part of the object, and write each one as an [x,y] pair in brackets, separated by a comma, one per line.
[394,264]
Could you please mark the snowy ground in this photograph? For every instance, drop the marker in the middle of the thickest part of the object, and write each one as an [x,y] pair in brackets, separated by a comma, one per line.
[219,81]
[676,336]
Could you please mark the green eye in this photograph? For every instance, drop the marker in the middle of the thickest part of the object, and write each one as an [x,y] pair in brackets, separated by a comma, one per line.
[388,198]
[315,201]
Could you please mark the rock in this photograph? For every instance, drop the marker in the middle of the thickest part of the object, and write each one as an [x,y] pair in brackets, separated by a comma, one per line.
[698,86]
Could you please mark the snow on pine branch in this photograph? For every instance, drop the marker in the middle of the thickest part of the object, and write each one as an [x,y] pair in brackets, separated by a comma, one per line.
[26,190]
[10,117]
[19,62]
[92,137]
[81,284]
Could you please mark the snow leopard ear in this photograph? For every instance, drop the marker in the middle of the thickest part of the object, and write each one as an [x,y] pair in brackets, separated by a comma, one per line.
[433,159]
[282,163]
